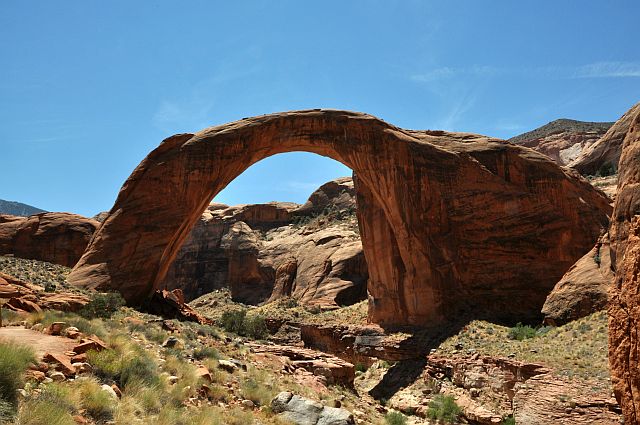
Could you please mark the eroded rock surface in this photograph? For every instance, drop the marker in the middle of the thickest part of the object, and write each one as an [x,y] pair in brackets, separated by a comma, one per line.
[302,411]
[607,150]
[624,296]
[563,140]
[58,238]
[269,251]
[451,223]
[583,289]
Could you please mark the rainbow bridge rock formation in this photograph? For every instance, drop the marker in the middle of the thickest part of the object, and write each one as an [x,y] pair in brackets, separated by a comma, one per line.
[451,223]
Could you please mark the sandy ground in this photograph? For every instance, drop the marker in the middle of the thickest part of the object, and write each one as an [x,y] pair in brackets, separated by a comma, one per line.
[40,342]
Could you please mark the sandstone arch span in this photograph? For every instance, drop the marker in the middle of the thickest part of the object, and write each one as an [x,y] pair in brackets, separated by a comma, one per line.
[449,221]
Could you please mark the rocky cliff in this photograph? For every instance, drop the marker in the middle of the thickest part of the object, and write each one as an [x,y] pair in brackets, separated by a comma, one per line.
[58,238]
[624,304]
[563,140]
[606,151]
[309,252]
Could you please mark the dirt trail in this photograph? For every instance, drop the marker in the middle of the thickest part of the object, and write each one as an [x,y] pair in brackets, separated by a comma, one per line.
[40,342]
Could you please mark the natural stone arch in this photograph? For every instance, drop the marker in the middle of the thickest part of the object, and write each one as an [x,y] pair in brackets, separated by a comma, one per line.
[449,221]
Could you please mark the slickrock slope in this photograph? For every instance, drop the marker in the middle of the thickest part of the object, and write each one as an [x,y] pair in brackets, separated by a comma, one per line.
[58,238]
[563,140]
[451,223]
[606,151]
[269,251]
[583,289]
[624,304]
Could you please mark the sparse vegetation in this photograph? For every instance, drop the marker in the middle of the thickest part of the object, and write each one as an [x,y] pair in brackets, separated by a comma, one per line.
[237,321]
[102,305]
[521,332]
[14,360]
[395,418]
[444,408]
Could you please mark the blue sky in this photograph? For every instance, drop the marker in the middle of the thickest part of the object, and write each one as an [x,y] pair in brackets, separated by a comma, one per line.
[88,88]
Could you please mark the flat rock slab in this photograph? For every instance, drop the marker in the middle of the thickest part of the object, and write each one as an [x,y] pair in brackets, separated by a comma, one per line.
[41,343]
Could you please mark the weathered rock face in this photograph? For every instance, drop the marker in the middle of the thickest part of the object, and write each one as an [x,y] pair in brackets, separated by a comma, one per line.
[624,296]
[563,140]
[269,251]
[451,223]
[58,238]
[302,411]
[606,151]
[27,297]
[583,289]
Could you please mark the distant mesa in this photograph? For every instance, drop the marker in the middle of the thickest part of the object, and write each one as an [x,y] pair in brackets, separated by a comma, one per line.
[18,208]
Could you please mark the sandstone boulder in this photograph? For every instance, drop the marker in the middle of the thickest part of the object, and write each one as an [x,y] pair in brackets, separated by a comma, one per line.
[58,238]
[583,289]
[624,295]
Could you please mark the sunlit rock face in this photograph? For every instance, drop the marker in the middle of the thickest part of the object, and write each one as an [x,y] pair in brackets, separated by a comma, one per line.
[624,294]
[451,223]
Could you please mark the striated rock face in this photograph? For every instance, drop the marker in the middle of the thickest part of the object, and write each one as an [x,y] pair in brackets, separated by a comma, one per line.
[269,251]
[563,140]
[583,289]
[624,296]
[58,238]
[606,151]
[451,223]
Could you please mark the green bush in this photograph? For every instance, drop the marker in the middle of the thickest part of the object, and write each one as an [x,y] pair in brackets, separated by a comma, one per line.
[607,169]
[395,418]
[443,408]
[521,332]
[103,305]
[231,321]
[508,421]
[237,321]
[14,360]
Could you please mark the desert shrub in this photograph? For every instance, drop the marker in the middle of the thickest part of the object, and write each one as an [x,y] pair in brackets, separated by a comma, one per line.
[521,332]
[38,412]
[14,360]
[395,418]
[255,390]
[606,169]
[237,321]
[58,394]
[6,411]
[361,367]
[206,353]
[255,326]
[443,408]
[508,421]
[102,305]
[232,320]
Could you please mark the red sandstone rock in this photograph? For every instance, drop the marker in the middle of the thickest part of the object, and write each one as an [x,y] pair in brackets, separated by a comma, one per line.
[58,238]
[63,363]
[451,223]
[583,289]
[171,304]
[624,295]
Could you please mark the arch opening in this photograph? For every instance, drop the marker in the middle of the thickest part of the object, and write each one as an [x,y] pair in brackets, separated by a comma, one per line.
[445,218]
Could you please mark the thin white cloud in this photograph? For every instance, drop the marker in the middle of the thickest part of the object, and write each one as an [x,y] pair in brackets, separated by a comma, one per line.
[592,70]
[609,70]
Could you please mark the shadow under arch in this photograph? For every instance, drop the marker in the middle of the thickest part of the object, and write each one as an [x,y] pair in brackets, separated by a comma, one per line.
[431,205]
